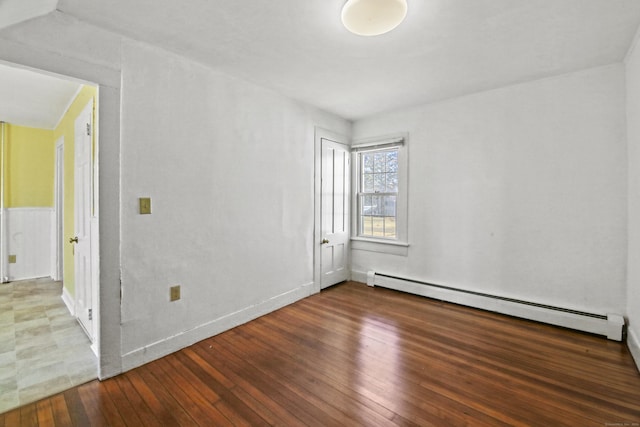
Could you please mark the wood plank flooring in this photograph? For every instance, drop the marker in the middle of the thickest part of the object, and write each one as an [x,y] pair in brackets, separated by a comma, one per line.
[360,356]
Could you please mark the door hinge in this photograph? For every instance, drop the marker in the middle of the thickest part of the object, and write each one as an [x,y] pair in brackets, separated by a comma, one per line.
[90,313]
[89,129]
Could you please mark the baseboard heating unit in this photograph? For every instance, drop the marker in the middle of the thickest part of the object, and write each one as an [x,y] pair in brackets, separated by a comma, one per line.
[611,326]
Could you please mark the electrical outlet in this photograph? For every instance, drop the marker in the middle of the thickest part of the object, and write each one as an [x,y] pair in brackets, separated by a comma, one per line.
[174,293]
[12,259]
[145,205]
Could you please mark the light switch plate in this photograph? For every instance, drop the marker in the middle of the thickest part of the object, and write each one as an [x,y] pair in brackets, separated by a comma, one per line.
[12,259]
[145,205]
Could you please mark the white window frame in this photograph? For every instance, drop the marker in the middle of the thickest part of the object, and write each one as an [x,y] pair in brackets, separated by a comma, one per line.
[400,243]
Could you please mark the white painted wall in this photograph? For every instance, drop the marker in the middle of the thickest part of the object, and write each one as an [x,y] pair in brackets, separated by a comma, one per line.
[229,168]
[29,238]
[633,137]
[519,191]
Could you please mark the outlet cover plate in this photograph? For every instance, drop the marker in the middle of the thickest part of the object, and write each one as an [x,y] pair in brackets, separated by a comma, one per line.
[174,293]
[145,205]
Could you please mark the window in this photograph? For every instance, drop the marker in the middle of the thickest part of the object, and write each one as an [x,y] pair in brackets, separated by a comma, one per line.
[380,193]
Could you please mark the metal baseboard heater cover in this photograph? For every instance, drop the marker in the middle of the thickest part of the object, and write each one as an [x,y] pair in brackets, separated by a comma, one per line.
[610,325]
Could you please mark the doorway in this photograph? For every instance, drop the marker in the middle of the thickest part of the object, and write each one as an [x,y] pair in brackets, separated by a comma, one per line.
[332,165]
[46,342]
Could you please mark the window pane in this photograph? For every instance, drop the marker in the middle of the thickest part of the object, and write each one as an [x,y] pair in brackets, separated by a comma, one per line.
[392,183]
[373,207]
[377,212]
[366,222]
[378,227]
[379,203]
[392,161]
[379,183]
[389,207]
[379,164]
[366,205]
[389,226]
[367,162]
[368,183]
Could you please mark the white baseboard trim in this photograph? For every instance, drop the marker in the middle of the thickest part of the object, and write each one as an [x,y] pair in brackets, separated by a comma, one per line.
[633,342]
[164,347]
[609,325]
[69,301]
[359,276]
[28,277]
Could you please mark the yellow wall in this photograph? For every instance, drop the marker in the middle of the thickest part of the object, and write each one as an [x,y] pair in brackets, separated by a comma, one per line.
[29,167]
[3,156]
[66,129]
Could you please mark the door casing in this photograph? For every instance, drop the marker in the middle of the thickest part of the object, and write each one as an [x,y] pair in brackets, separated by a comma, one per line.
[58,252]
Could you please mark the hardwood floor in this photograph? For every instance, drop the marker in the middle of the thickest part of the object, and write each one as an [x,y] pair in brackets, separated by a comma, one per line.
[361,356]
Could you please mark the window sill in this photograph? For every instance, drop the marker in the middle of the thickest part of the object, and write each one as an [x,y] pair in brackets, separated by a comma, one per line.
[392,247]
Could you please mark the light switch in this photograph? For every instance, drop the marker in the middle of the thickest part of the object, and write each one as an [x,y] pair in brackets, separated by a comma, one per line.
[145,205]
[12,259]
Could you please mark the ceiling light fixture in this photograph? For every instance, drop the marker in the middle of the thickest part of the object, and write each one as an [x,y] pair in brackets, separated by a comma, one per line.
[373,17]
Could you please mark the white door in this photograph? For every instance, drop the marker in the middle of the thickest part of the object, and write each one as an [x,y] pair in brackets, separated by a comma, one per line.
[82,219]
[334,213]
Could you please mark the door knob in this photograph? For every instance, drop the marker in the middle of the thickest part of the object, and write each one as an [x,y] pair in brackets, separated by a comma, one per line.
[324,241]
[73,240]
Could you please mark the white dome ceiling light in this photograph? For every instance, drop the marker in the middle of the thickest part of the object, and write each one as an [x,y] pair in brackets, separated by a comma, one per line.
[373,17]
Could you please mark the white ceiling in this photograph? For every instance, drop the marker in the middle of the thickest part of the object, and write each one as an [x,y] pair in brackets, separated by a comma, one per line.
[33,99]
[445,48]
[13,11]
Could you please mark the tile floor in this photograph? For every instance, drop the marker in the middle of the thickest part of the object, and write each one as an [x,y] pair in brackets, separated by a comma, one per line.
[43,349]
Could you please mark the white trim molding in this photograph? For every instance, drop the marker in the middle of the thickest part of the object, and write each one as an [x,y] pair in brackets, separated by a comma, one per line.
[69,301]
[609,325]
[633,343]
[4,265]
[394,246]
[359,276]
[161,348]
[391,247]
